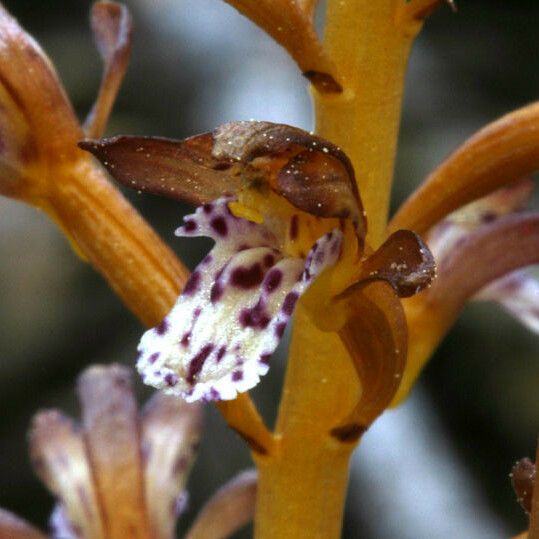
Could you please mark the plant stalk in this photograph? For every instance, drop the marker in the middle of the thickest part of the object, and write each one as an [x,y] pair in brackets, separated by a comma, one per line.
[370,46]
[302,483]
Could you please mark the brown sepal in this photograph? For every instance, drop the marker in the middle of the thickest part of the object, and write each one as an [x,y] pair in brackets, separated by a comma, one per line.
[376,338]
[522,479]
[183,170]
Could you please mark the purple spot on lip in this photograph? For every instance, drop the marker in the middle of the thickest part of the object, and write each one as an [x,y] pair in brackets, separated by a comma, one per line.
[220,353]
[289,303]
[219,225]
[190,226]
[216,291]
[265,358]
[185,339]
[247,277]
[207,208]
[273,280]
[197,312]
[171,379]
[162,328]
[191,286]
[237,376]
[279,329]
[153,358]
[197,363]
[254,318]
[212,395]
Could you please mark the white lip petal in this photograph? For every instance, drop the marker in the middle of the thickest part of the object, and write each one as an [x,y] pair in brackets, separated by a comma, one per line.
[219,337]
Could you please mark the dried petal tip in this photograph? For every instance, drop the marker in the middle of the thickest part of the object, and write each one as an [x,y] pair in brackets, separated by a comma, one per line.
[218,339]
[523,478]
[112,27]
[404,261]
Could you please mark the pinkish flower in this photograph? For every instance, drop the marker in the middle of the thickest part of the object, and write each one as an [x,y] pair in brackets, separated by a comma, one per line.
[123,474]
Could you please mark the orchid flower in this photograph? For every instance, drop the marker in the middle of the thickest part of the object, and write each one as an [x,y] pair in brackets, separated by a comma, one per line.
[123,474]
[289,217]
[291,238]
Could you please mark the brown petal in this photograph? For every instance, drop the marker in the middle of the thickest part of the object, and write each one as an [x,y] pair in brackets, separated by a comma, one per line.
[35,116]
[311,173]
[59,458]
[499,154]
[183,170]
[403,260]
[228,510]
[111,433]
[522,478]
[479,258]
[375,336]
[112,27]
[12,527]
[170,436]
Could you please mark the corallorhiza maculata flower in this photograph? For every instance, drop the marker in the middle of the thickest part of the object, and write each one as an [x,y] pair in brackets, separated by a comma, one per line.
[122,474]
[287,221]
[285,212]
[290,233]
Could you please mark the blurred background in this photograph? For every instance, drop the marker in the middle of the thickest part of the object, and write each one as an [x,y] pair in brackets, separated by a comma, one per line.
[438,466]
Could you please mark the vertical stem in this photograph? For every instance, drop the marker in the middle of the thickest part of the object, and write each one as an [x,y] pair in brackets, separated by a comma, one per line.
[370,48]
[302,482]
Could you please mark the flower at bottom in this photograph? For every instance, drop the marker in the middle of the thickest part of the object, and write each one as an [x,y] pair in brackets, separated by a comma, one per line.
[120,474]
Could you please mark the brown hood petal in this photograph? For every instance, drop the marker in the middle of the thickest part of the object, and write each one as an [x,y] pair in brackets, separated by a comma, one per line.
[403,260]
[111,433]
[228,510]
[170,436]
[482,256]
[375,336]
[112,26]
[12,527]
[499,154]
[59,458]
[311,173]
